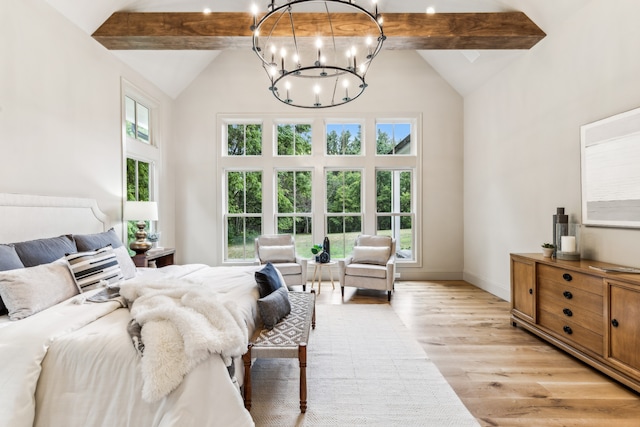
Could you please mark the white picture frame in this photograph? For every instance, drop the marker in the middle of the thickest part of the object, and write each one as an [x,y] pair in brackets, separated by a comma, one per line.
[610,171]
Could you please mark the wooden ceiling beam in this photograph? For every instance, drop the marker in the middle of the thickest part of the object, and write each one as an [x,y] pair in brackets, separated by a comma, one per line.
[230,30]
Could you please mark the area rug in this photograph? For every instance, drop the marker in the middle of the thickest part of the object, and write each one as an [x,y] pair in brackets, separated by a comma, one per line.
[364,369]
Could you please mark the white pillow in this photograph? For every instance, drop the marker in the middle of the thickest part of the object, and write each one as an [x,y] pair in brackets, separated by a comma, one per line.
[277,253]
[27,291]
[89,269]
[370,255]
[126,263]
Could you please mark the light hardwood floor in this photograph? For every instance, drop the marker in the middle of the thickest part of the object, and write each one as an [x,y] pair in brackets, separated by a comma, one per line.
[504,375]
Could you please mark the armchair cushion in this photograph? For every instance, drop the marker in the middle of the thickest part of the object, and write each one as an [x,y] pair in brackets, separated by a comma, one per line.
[367,270]
[268,280]
[378,255]
[286,253]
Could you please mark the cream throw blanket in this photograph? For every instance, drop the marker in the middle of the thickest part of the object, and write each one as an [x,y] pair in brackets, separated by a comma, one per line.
[182,325]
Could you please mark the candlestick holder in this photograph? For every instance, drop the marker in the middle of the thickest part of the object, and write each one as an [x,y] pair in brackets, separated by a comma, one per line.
[568,241]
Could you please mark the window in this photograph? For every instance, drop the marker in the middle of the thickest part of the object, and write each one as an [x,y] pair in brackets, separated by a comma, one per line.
[244,213]
[294,140]
[394,206]
[393,138]
[294,207]
[244,139]
[137,120]
[143,156]
[344,209]
[344,139]
[277,179]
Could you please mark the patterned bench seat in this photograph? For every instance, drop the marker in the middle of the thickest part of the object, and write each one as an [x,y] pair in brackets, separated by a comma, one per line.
[288,339]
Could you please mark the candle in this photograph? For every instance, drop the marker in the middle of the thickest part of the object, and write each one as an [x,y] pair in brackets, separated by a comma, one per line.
[568,243]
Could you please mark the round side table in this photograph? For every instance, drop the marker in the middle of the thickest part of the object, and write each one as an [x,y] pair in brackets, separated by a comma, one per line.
[317,271]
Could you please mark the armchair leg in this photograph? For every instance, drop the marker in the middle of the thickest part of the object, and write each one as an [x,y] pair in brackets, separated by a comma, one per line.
[388,295]
[304,287]
[342,290]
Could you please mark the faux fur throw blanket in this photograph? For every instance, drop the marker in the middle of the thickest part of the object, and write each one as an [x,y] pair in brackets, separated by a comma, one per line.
[182,324]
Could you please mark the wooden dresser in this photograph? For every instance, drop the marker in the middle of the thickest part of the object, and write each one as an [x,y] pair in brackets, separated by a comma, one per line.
[593,315]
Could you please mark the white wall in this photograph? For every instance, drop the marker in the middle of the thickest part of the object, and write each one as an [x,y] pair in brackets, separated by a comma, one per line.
[522,141]
[60,114]
[399,82]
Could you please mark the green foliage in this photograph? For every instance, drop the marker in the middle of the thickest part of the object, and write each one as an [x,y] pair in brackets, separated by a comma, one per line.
[548,245]
[316,249]
[244,140]
[294,140]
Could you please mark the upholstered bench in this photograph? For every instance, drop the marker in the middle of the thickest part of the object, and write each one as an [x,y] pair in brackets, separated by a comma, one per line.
[288,339]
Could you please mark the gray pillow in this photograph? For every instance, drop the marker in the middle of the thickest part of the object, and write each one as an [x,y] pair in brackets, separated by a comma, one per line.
[9,259]
[44,251]
[267,279]
[274,307]
[93,242]
[27,291]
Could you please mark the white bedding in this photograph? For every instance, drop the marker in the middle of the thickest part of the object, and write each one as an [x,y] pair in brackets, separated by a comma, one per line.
[91,372]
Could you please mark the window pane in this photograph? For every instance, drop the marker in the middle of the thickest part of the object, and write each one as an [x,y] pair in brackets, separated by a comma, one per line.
[254,192]
[303,191]
[144,182]
[344,191]
[254,229]
[142,121]
[383,190]
[405,192]
[285,140]
[294,139]
[130,116]
[235,192]
[393,138]
[235,140]
[302,140]
[343,139]
[286,192]
[400,227]
[253,140]
[235,237]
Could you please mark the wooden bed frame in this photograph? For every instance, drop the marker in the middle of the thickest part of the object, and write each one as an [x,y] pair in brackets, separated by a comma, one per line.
[27,217]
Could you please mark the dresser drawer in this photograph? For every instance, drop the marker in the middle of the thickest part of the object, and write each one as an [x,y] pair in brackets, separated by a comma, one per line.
[574,313]
[586,282]
[577,299]
[571,332]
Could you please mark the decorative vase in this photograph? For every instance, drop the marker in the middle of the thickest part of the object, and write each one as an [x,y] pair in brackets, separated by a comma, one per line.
[547,252]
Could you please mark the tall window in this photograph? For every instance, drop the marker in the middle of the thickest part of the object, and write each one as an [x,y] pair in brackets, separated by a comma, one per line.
[294,207]
[277,179]
[294,140]
[139,179]
[394,206]
[244,213]
[244,139]
[137,120]
[344,209]
[344,139]
[393,138]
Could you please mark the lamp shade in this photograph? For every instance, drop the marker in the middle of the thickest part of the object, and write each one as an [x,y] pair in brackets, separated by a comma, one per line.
[141,211]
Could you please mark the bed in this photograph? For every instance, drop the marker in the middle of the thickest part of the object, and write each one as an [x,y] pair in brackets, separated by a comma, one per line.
[74,362]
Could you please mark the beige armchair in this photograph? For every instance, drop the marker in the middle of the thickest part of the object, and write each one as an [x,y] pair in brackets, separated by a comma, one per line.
[371,266]
[279,250]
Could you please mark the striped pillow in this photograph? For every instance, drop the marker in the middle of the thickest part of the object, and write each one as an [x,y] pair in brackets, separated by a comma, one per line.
[89,269]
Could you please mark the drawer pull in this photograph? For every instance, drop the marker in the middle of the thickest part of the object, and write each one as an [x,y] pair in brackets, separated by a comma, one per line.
[567,294]
[567,330]
[567,277]
[530,291]
[614,323]
[567,312]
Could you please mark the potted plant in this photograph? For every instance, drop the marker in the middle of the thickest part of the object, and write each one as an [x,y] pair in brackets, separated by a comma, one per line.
[316,250]
[547,249]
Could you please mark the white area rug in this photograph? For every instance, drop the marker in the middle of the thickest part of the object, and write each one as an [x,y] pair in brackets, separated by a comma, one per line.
[364,369]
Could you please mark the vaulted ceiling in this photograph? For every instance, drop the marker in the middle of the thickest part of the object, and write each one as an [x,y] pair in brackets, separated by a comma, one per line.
[445,41]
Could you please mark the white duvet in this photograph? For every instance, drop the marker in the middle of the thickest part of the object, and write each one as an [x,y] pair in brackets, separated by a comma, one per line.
[75,365]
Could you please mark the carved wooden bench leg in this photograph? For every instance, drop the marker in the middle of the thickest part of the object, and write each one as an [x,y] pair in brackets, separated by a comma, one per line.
[302,357]
[246,358]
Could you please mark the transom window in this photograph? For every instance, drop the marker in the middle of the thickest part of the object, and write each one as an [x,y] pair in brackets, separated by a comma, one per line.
[294,139]
[344,139]
[393,138]
[137,120]
[244,139]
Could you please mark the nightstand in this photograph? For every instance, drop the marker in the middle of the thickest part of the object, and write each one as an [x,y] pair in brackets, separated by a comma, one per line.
[158,258]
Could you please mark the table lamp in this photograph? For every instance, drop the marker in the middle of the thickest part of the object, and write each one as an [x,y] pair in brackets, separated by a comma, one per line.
[141,212]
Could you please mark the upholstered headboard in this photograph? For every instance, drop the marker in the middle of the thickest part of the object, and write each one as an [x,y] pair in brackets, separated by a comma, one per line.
[26,217]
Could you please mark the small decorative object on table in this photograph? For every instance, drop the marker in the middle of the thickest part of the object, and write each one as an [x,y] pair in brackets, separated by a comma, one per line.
[568,241]
[547,249]
[154,238]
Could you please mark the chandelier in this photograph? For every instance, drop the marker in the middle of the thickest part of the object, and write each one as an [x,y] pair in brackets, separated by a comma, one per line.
[317,52]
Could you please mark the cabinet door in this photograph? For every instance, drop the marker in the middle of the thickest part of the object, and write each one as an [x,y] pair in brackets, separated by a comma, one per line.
[624,329]
[522,288]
